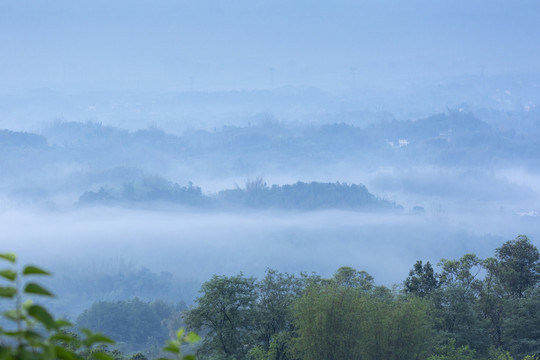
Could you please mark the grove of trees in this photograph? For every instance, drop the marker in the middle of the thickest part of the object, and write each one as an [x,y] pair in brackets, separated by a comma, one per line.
[470,308]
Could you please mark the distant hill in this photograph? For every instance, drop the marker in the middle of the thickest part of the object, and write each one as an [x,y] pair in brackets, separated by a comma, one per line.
[10,138]
[256,195]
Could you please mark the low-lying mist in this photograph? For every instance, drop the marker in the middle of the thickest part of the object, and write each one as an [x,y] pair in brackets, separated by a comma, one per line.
[197,245]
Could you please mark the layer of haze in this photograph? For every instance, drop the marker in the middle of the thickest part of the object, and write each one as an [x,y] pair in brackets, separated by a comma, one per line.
[210,45]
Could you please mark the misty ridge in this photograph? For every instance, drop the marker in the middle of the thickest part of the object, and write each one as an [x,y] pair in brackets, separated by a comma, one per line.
[257,194]
[92,163]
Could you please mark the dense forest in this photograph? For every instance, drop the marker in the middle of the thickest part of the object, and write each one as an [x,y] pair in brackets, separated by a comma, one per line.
[466,308]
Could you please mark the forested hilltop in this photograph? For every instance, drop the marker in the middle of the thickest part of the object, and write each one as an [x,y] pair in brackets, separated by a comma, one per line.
[461,309]
[256,195]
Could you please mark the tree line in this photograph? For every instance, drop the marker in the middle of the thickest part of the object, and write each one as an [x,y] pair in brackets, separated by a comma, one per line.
[462,309]
[470,308]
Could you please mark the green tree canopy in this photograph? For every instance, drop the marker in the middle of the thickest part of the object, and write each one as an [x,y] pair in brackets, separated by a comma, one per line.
[224,312]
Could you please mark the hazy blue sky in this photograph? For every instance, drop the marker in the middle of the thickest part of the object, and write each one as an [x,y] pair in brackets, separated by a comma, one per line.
[251,44]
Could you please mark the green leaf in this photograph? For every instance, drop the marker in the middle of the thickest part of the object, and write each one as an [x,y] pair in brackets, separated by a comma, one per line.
[12,314]
[62,353]
[42,315]
[63,323]
[34,270]
[180,333]
[7,292]
[9,257]
[62,337]
[189,357]
[95,338]
[33,288]
[100,355]
[192,337]
[31,335]
[48,351]
[8,274]
[172,346]
[13,333]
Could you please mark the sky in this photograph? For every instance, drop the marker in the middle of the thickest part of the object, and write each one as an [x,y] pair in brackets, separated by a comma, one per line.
[215,45]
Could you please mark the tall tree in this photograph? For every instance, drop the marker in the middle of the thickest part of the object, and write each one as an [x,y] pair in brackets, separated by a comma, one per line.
[276,293]
[457,310]
[337,321]
[224,312]
[517,266]
[511,274]
[521,324]
[348,277]
[421,280]
[329,321]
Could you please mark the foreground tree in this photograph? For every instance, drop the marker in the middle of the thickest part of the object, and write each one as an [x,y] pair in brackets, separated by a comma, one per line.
[517,266]
[224,312]
[521,324]
[329,321]
[276,293]
[456,310]
[512,274]
[338,321]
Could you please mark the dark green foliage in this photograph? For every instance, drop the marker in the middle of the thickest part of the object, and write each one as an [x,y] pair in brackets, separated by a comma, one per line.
[521,324]
[512,274]
[450,351]
[275,295]
[457,315]
[517,266]
[491,302]
[138,356]
[247,318]
[462,311]
[456,308]
[351,278]
[495,315]
[421,280]
[225,312]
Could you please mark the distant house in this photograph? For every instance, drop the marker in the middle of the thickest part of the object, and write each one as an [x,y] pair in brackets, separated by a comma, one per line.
[403,142]
[400,143]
